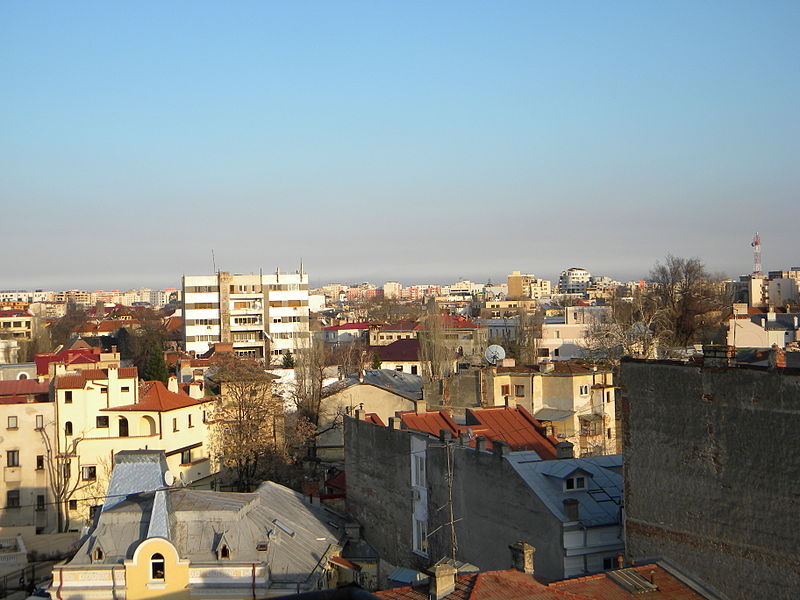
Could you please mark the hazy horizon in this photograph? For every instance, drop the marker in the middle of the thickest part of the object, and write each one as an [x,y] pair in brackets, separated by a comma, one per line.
[409,141]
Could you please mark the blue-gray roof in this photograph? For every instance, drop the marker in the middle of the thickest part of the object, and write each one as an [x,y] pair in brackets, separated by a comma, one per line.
[599,503]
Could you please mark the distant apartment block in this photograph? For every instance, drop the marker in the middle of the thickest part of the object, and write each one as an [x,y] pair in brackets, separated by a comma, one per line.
[574,281]
[526,286]
[263,316]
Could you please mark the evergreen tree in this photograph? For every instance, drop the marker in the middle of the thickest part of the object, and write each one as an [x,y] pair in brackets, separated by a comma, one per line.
[376,361]
[288,361]
[155,369]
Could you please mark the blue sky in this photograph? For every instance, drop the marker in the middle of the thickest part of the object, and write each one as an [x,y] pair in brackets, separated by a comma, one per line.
[406,140]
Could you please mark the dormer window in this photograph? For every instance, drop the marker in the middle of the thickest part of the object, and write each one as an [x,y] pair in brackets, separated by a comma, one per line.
[577,482]
[224,553]
[98,554]
[157,567]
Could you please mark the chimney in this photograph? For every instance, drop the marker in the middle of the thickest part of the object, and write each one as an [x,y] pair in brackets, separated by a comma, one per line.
[546,367]
[395,422]
[445,435]
[359,414]
[480,443]
[522,557]
[442,580]
[420,406]
[500,448]
[172,384]
[564,450]
[361,376]
[571,509]
[511,402]
[771,315]
[196,390]
[463,438]
[777,357]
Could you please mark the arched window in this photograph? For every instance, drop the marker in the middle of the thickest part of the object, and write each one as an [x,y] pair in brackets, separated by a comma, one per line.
[224,552]
[68,428]
[147,426]
[123,427]
[22,376]
[98,554]
[156,566]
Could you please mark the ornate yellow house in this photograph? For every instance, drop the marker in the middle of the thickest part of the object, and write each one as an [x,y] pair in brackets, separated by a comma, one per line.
[153,540]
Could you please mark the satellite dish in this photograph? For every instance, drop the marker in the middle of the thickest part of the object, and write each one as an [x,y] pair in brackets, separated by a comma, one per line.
[494,353]
[169,478]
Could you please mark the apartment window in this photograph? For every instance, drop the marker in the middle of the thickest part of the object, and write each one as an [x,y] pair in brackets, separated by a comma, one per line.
[73,505]
[399,368]
[575,483]
[519,391]
[558,334]
[40,462]
[89,473]
[12,458]
[12,422]
[68,397]
[419,471]
[186,457]
[608,563]
[102,422]
[608,433]
[39,421]
[413,369]
[68,428]
[12,499]
[584,390]
[40,502]
[608,396]
[555,352]
[125,388]
[189,420]
[420,537]
[174,424]
[505,390]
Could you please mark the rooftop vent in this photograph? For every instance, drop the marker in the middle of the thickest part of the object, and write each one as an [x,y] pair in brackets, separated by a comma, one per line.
[632,581]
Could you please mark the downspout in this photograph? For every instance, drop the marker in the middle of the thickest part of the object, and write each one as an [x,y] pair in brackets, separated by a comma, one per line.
[160,427]
[253,581]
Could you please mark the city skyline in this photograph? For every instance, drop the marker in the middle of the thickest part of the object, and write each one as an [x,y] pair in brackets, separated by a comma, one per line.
[406,142]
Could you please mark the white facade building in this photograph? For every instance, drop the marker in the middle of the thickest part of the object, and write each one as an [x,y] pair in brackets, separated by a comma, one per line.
[263,316]
[574,281]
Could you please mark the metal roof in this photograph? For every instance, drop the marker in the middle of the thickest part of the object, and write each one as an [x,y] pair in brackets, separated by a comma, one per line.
[599,503]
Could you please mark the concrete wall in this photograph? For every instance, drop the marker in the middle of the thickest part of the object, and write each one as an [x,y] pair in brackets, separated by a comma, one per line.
[713,474]
[494,508]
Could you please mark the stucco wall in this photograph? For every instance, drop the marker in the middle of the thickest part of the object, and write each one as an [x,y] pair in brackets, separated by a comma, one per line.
[713,474]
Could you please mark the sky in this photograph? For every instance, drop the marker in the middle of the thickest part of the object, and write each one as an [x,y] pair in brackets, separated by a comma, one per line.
[411,141]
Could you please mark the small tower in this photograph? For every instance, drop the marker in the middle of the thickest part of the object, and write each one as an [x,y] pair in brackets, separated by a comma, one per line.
[756,244]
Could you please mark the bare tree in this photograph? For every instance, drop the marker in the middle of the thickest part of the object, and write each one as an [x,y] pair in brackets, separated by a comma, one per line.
[309,373]
[630,331]
[691,303]
[247,429]
[529,335]
[435,353]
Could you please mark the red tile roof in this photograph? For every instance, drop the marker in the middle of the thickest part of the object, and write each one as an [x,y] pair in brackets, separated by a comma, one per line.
[15,313]
[173,323]
[19,387]
[67,354]
[398,351]
[515,426]
[346,326]
[154,395]
[453,322]
[515,585]
[78,381]
[430,422]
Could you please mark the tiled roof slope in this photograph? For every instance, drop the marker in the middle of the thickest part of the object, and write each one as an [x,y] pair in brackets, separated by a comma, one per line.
[17,387]
[515,585]
[77,381]
[153,395]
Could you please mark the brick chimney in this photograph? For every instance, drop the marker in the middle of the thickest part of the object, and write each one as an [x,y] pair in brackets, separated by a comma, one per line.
[442,580]
[522,557]
[480,443]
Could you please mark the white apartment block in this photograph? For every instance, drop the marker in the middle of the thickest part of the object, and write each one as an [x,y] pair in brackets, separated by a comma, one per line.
[574,281]
[263,316]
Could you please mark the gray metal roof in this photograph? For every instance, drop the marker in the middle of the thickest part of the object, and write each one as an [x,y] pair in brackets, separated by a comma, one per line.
[297,535]
[599,503]
[553,414]
[403,384]
[135,471]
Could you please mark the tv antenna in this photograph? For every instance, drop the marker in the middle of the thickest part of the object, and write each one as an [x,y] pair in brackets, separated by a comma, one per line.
[756,244]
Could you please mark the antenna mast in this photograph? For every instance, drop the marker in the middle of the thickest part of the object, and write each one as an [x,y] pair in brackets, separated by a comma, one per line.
[756,244]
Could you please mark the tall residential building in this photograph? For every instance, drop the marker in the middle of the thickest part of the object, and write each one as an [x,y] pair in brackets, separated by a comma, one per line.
[392,289]
[263,316]
[574,281]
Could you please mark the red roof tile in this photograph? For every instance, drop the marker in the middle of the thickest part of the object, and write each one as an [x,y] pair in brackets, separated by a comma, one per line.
[154,395]
[18,387]
[515,426]
[431,422]
[78,381]
[347,326]
[515,585]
